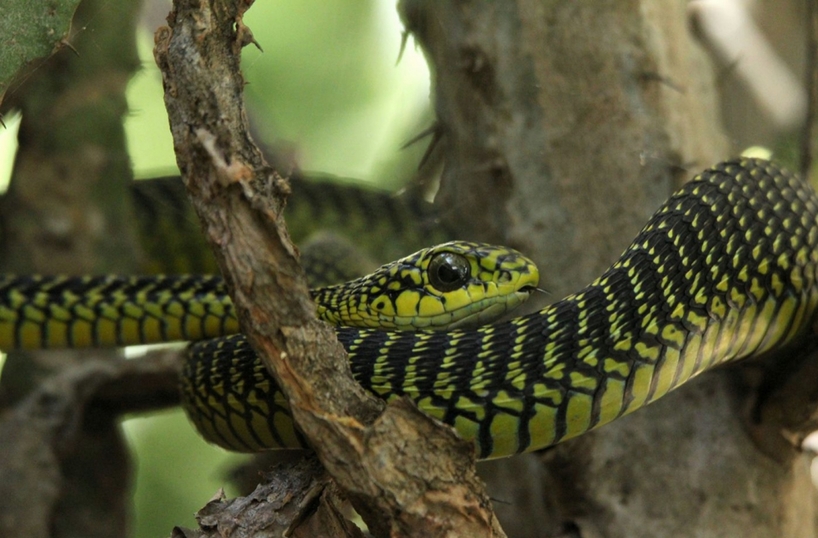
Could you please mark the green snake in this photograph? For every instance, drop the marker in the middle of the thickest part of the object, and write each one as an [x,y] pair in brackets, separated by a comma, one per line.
[724,270]
[456,284]
[386,225]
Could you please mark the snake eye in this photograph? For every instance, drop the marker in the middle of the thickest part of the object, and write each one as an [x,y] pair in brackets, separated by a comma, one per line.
[448,271]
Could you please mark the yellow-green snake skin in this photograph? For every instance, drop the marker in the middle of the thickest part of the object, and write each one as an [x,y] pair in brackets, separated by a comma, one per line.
[454,284]
[385,225]
[725,269]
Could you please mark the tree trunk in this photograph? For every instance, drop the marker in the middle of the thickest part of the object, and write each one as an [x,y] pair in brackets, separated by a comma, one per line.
[566,125]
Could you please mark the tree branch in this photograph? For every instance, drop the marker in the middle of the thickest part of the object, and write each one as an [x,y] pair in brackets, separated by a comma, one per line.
[239,199]
[67,427]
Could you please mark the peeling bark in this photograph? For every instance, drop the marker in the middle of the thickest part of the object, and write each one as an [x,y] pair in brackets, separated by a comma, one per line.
[239,200]
[297,500]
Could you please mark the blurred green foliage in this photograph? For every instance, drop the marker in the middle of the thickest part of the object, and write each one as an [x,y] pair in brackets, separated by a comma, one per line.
[177,472]
[31,30]
[327,87]
[328,90]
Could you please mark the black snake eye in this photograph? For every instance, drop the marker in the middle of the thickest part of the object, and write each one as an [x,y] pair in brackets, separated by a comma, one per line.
[448,271]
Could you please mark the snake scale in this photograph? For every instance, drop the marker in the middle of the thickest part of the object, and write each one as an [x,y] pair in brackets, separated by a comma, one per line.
[386,225]
[458,283]
[724,270]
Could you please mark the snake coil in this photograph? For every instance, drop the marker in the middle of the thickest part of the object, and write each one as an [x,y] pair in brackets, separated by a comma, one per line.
[724,270]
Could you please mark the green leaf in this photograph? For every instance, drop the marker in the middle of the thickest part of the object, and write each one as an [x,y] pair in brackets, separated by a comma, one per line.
[30,29]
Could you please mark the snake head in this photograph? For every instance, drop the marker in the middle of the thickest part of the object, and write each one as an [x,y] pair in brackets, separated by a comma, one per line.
[456,284]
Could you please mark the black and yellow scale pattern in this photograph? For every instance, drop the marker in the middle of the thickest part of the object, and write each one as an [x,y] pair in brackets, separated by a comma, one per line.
[40,312]
[725,269]
[386,225]
[409,295]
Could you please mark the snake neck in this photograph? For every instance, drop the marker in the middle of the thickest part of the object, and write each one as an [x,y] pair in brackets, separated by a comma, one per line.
[724,270]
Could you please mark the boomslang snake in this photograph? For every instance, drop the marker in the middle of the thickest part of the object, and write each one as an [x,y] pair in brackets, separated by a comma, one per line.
[724,270]
[456,284]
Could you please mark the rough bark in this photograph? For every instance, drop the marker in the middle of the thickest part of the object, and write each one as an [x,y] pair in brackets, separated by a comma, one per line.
[64,469]
[297,500]
[239,200]
[809,136]
[566,125]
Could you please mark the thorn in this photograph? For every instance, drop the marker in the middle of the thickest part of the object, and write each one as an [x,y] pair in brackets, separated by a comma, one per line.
[404,37]
[437,133]
[437,136]
[424,133]
[65,43]
[245,36]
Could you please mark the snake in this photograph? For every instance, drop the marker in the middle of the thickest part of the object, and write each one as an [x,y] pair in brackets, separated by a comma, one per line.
[724,270]
[455,284]
[386,225]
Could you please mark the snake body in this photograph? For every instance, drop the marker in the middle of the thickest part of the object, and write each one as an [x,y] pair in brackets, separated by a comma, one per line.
[41,312]
[458,283]
[724,270]
[385,225]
